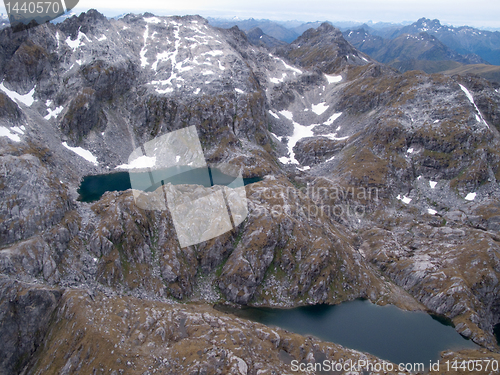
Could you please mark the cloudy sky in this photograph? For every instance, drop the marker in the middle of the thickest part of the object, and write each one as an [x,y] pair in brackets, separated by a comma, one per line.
[455,12]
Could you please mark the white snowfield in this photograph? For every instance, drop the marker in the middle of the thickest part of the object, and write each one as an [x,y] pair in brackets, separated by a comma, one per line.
[87,155]
[332,119]
[404,199]
[4,132]
[27,99]
[78,42]
[470,196]
[19,130]
[141,162]
[299,132]
[319,109]
[53,113]
[333,79]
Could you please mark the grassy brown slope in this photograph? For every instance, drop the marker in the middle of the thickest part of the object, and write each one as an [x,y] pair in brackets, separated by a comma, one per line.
[489,72]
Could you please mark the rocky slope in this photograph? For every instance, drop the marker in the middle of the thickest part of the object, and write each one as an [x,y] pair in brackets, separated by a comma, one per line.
[374,184]
[109,334]
[256,36]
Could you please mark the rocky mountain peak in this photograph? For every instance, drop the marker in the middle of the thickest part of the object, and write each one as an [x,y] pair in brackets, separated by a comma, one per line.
[324,34]
[85,22]
[323,48]
[428,24]
[255,33]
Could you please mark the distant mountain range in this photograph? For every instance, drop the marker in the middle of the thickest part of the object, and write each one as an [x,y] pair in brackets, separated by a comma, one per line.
[270,28]
[464,39]
[423,45]
[407,51]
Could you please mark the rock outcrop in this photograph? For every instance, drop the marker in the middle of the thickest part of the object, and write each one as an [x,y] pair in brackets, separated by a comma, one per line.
[25,312]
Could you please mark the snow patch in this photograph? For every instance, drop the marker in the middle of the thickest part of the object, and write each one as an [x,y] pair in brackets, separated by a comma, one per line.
[197,91]
[239,91]
[333,79]
[141,162]
[18,130]
[287,114]
[78,42]
[87,155]
[214,53]
[320,108]
[334,137]
[295,70]
[432,184]
[299,132]
[470,196]
[471,99]
[102,38]
[410,150]
[274,114]
[53,113]
[332,119]
[4,132]
[154,20]
[168,90]
[404,199]
[431,211]
[26,99]
[144,60]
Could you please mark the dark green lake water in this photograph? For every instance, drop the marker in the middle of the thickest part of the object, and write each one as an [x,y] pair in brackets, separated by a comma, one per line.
[385,331]
[496,332]
[93,187]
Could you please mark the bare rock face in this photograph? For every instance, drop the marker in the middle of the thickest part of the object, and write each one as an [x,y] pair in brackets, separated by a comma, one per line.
[9,111]
[25,311]
[32,198]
